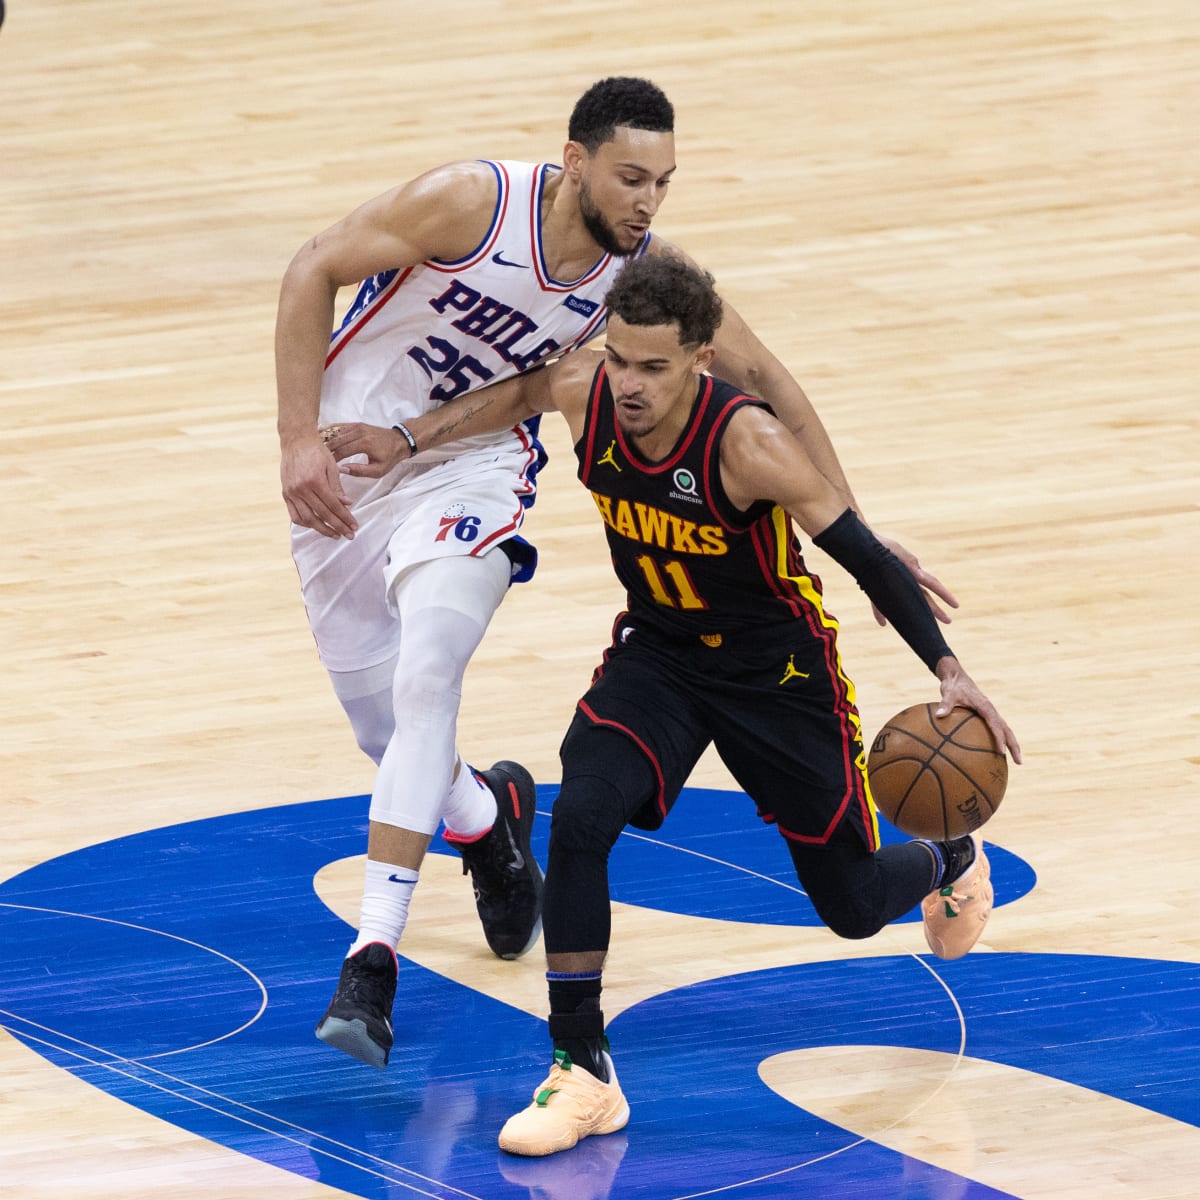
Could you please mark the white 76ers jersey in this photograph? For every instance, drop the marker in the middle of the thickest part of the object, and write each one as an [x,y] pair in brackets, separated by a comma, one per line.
[416,337]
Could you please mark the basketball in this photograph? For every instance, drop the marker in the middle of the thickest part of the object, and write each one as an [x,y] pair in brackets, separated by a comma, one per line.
[936,777]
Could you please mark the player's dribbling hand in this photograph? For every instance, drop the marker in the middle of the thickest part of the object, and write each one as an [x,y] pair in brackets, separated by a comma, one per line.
[929,583]
[312,489]
[382,448]
[959,690]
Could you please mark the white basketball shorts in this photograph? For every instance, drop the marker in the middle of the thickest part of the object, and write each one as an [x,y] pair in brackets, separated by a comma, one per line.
[463,506]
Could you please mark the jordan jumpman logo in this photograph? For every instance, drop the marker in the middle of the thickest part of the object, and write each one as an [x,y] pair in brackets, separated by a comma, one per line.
[607,456]
[790,671]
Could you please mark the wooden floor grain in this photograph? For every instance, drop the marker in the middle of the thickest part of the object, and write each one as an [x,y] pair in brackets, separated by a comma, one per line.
[970,231]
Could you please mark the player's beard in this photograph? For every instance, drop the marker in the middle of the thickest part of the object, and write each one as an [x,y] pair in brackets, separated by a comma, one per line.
[594,221]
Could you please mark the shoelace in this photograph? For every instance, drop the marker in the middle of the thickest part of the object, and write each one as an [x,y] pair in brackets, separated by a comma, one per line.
[954,900]
[364,985]
[489,865]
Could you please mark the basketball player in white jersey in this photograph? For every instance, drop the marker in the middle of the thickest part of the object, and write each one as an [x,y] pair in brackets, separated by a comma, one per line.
[469,274]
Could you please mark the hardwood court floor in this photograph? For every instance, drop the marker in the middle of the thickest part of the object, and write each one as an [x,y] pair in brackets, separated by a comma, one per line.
[970,231]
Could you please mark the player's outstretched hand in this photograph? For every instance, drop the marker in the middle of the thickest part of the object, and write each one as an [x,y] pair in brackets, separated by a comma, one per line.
[382,448]
[959,690]
[312,489]
[931,585]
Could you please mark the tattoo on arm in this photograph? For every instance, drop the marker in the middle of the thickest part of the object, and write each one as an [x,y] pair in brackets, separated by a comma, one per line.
[453,417]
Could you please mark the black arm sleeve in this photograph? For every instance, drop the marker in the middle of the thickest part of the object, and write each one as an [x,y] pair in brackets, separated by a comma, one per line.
[888,583]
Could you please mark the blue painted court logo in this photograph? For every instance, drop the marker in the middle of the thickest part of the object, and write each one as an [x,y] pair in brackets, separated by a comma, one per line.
[182,970]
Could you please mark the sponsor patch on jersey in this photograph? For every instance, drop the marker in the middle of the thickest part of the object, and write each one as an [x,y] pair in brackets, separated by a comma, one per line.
[586,308]
[685,483]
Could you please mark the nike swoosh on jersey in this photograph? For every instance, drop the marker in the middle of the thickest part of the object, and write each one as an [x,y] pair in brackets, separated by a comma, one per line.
[500,261]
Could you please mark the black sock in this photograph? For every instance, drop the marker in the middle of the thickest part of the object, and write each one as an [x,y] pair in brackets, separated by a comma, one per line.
[576,1022]
[957,857]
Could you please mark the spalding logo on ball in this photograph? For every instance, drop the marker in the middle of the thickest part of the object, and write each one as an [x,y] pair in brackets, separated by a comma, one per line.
[936,777]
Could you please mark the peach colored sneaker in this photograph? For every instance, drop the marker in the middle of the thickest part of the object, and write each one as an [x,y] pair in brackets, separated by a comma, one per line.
[955,915]
[571,1104]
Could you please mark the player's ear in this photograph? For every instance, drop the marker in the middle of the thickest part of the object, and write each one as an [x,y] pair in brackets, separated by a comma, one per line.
[574,160]
[703,358]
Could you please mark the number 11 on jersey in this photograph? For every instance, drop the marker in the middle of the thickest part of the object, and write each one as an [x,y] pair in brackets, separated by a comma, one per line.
[685,596]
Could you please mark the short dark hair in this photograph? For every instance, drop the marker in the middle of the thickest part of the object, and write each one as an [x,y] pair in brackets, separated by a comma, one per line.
[659,289]
[619,100]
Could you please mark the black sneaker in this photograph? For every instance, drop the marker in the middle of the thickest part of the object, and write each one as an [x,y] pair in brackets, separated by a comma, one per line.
[505,875]
[358,1020]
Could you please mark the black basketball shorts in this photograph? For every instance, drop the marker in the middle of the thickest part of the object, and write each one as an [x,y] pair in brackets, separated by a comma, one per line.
[776,705]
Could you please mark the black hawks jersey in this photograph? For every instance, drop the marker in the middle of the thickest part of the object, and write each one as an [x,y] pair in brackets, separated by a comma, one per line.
[692,564]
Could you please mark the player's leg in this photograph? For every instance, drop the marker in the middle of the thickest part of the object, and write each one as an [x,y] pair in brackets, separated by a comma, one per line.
[619,768]
[857,892]
[443,607]
[605,778]
[793,741]
[357,635]
[370,700]
[358,639]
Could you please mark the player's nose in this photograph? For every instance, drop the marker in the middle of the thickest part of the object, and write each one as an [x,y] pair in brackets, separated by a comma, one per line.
[647,200]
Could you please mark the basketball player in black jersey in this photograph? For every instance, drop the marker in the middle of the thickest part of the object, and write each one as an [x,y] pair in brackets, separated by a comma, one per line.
[725,641]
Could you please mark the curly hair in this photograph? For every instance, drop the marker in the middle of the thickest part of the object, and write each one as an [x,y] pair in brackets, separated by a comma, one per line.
[658,289]
[619,100]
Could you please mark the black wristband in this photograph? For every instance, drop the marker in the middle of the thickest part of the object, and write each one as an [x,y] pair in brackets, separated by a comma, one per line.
[888,583]
[402,430]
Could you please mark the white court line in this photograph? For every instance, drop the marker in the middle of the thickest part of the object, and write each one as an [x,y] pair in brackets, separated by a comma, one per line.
[313,1134]
[862,1141]
[262,991]
[791,887]
[275,1133]
[114,1066]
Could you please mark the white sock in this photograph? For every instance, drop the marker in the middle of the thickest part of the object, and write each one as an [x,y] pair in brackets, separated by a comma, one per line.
[470,807]
[387,891]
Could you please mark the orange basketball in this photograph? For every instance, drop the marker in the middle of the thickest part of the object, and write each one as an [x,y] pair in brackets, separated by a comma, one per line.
[937,778]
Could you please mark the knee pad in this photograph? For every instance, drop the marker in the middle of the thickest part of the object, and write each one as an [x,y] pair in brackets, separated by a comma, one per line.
[587,816]
[435,648]
[605,780]
[425,698]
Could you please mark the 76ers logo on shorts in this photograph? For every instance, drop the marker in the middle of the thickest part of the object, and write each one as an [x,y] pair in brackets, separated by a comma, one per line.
[466,528]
